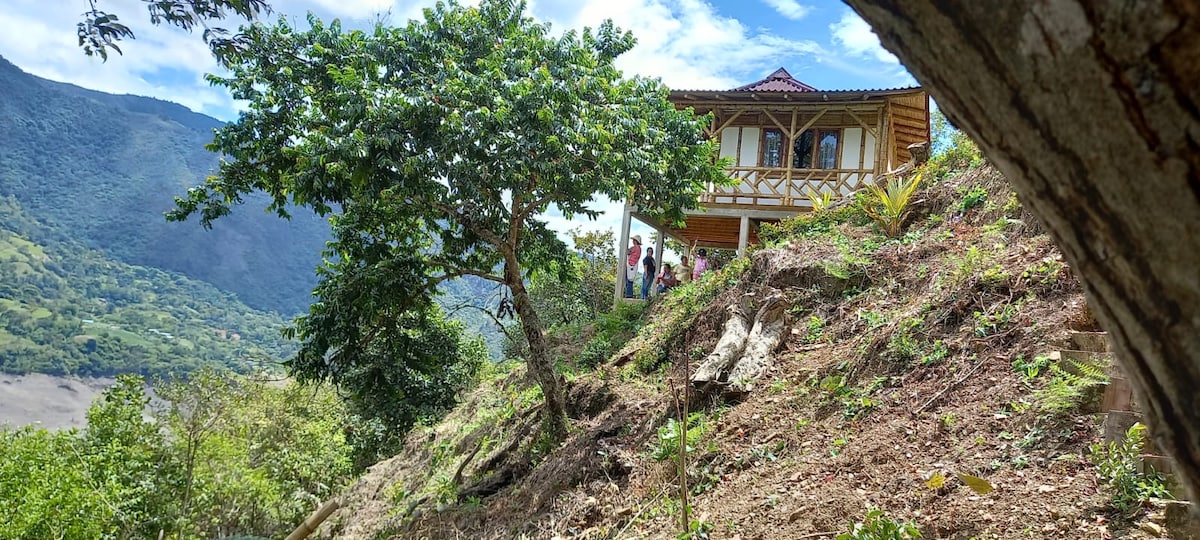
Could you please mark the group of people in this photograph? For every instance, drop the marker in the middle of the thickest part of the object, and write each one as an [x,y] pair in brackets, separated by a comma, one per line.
[652,276]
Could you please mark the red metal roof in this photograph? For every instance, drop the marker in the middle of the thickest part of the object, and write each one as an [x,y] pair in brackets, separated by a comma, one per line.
[779,81]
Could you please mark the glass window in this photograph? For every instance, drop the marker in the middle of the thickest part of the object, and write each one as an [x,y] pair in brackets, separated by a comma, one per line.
[802,151]
[827,151]
[772,153]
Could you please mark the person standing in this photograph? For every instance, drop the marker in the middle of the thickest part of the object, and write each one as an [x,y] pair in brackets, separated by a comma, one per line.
[649,270]
[683,274]
[701,263]
[631,261]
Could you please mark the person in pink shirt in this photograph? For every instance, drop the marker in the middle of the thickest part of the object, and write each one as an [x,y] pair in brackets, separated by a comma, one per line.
[701,264]
[633,257]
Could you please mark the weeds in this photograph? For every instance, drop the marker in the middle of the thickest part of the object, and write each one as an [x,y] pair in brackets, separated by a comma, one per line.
[669,435]
[1029,369]
[1117,463]
[877,526]
[810,225]
[975,196]
[904,345]
[816,328]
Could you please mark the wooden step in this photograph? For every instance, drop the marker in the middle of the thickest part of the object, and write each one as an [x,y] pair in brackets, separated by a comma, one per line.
[1181,521]
[1164,465]
[1118,396]
[1090,341]
[1117,423]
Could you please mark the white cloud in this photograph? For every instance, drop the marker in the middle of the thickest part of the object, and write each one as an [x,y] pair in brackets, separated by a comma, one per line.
[685,42]
[789,8]
[162,62]
[857,39]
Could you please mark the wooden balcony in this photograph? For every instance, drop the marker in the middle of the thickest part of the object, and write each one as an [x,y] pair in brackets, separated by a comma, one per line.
[783,189]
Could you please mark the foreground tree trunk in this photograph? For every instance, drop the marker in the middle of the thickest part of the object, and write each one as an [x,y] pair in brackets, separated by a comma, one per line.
[540,363]
[1092,109]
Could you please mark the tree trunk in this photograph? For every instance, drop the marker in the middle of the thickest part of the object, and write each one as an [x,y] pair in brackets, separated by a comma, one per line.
[765,336]
[540,363]
[1092,109]
[728,349]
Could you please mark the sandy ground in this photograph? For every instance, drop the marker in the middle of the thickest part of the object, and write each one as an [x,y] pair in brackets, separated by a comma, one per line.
[50,402]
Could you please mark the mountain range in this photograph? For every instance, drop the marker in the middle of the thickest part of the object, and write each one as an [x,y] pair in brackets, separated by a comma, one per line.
[85,180]
[106,167]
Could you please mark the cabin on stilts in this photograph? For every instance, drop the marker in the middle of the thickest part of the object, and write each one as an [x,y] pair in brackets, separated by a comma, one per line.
[785,140]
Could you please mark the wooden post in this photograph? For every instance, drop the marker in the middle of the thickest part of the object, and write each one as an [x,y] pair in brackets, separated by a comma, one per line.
[743,236]
[788,161]
[658,254]
[315,520]
[622,248]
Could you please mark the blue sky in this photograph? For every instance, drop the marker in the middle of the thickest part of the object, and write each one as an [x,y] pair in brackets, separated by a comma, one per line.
[690,44]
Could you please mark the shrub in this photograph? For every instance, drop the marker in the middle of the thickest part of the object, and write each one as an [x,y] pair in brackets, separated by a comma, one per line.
[813,224]
[1117,463]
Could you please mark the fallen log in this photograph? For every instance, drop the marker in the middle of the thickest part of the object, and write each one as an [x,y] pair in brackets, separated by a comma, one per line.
[729,348]
[768,331]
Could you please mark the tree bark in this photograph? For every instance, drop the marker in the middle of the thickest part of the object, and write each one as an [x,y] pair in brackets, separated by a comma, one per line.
[540,363]
[728,349]
[765,336]
[1092,110]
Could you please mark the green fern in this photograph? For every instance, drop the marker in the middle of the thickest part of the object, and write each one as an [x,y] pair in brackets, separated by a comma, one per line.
[1066,388]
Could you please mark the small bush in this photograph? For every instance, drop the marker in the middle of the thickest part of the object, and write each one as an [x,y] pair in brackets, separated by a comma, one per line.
[975,196]
[612,330]
[812,224]
[669,435]
[1117,463]
[877,526]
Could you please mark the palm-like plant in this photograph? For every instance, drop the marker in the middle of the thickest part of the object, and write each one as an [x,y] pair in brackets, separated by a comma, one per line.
[889,205]
[820,201]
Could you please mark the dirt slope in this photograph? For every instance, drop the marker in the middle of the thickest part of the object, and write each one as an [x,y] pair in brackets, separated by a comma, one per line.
[908,361]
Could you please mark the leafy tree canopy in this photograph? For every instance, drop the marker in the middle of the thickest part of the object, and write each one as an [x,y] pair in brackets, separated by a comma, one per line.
[458,132]
[100,31]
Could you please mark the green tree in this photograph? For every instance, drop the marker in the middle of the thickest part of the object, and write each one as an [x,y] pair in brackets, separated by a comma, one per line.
[443,143]
[599,270]
[100,31]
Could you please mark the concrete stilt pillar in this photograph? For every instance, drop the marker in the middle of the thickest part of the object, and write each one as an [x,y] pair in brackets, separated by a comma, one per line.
[743,236]
[622,249]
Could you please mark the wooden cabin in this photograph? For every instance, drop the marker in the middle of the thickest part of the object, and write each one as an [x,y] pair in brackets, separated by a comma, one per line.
[786,140]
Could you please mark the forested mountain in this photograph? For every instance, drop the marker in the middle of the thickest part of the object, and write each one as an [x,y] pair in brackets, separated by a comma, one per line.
[66,309]
[105,167]
[100,169]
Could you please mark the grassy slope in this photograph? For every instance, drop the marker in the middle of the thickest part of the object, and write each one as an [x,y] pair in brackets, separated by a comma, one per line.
[899,368]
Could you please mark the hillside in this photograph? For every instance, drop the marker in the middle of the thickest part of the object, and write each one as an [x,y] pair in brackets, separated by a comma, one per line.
[66,309]
[904,363]
[105,167]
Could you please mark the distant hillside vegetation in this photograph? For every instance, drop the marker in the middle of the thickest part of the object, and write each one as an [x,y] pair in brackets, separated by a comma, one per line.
[68,310]
[105,167]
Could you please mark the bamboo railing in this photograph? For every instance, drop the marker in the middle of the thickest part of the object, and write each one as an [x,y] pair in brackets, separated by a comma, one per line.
[784,186]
